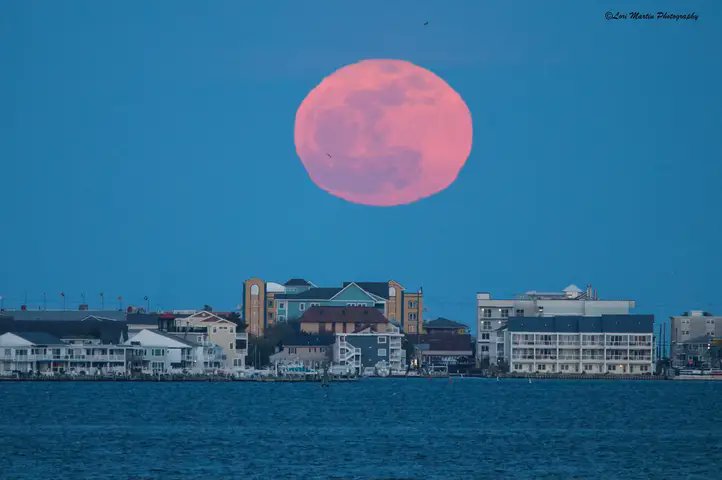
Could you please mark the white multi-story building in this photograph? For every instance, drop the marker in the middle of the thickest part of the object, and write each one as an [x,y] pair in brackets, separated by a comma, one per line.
[619,344]
[46,354]
[492,315]
[177,353]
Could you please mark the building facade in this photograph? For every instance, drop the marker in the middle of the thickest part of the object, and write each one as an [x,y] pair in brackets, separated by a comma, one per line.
[43,353]
[267,303]
[331,320]
[218,331]
[311,351]
[493,315]
[368,352]
[692,335]
[573,344]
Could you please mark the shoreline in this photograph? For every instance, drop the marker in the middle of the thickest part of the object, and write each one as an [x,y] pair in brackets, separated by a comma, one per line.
[212,378]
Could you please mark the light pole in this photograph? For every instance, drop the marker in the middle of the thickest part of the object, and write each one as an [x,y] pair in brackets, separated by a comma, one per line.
[102,301]
[147,304]
[62,294]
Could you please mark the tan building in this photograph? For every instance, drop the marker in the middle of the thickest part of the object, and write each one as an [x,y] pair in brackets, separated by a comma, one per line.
[259,305]
[331,320]
[220,331]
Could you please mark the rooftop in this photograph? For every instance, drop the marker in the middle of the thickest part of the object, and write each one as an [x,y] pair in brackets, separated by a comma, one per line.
[365,315]
[580,324]
[444,324]
[298,282]
[39,338]
[315,293]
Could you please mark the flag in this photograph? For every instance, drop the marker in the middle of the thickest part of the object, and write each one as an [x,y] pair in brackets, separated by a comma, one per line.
[62,294]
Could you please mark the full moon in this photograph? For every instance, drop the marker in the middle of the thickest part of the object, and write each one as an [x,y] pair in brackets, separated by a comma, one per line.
[383,133]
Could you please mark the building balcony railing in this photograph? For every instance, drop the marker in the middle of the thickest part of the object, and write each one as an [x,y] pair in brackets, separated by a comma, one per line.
[568,357]
[617,343]
[597,358]
[640,344]
[593,344]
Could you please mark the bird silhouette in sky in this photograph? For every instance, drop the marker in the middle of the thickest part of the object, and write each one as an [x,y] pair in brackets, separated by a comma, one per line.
[426,23]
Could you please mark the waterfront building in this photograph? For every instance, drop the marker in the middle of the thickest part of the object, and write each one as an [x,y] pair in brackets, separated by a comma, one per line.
[617,344]
[220,331]
[692,335]
[312,351]
[492,315]
[265,303]
[330,320]
[445,343]
[106,331]
[164,353]
[370,352]
[47,354]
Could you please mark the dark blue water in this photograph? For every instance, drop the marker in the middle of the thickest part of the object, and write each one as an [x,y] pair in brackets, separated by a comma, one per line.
[383,428]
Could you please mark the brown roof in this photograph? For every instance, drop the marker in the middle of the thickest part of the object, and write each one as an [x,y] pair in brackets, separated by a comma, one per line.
[343,315]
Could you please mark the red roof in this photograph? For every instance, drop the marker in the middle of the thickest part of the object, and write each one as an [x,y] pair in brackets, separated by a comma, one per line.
[343,315]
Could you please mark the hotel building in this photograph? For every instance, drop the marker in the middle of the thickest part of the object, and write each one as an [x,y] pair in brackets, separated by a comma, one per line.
[493,315]
[618,344]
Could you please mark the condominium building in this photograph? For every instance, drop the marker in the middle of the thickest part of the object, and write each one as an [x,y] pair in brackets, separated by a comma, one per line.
[619,344]
[47,354]
[692,337]
[493,314]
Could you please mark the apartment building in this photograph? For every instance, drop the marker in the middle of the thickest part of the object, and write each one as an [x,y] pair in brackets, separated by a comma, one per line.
[493,314]
[692,337]
[43,353]
[573,344]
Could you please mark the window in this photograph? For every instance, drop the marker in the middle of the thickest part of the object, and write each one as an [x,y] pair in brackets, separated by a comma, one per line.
[7,352]
[302,306]
[281,305]
[504,313]
[519,312]
[270,304]
[157,352]
[412,304]
[485,336]
[353,305]
[412,317]
[381,339]
[486,325]
[541,367]
[381,352]
[232,346]
[564,367]
[517,366]
[281,318]
[587,367]
[485,348]
[611,368]
[392,291]
[315,304]
[215,329]
[412,328]
[254,290]
[487,313]
[644,368]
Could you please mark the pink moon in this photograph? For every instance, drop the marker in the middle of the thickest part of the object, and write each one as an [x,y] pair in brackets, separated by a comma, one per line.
[383,133]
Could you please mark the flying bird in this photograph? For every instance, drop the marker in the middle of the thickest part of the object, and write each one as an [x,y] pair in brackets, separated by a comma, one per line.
[329,155]
[426,23]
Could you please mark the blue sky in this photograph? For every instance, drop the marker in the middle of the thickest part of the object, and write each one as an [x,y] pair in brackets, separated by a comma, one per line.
[147,149]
